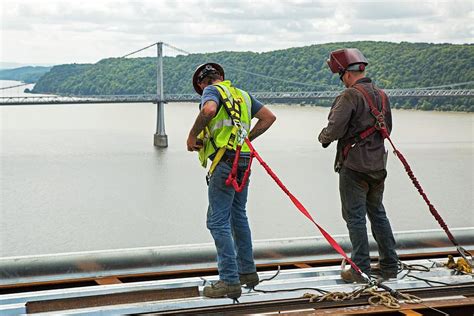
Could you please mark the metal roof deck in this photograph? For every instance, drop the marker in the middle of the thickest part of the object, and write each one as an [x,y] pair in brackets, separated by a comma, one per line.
[325,278]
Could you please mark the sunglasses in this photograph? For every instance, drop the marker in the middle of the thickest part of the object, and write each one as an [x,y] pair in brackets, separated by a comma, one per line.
[341,74]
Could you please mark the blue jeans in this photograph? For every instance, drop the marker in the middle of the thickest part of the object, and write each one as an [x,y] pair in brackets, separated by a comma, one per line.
[227,221]
[361,195]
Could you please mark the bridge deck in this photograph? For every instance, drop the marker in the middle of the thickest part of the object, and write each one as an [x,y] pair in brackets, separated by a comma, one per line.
[263,96]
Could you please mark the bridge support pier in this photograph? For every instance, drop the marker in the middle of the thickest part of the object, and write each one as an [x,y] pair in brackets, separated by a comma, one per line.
[160,138]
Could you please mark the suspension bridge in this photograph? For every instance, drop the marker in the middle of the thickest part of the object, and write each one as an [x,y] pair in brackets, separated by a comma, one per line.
[263,96]
[160,99]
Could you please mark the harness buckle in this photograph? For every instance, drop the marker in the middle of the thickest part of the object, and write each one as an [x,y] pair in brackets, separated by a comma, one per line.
[241,135]
[380,122]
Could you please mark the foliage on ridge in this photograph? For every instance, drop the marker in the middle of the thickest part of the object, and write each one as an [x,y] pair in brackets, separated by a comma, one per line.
[392,65]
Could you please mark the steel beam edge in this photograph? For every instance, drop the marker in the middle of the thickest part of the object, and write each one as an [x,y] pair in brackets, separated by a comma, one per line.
[149,260]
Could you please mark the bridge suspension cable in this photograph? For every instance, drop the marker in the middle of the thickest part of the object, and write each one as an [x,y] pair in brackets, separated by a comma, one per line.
[246,71]
[137,51]
[177,49]
[15,86]
[449,85]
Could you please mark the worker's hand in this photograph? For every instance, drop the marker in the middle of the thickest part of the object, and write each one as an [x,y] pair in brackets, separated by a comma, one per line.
[325,145]
[193,143]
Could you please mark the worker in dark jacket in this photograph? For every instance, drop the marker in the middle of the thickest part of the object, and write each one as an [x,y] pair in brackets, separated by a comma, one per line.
[361,161]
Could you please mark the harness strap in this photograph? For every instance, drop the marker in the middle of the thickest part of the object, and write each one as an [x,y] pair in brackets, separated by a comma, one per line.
[379,119]
[379,115]
[357,139]
[232,178]
[233,110]
[215,161]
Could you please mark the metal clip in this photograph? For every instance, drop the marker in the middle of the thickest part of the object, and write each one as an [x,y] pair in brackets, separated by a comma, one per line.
[380,122]
[465,254]
[241,135]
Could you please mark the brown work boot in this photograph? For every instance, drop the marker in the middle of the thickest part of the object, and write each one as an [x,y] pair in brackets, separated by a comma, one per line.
[350,276]
[375,268]
[249,279]
[222,289]
[383,274]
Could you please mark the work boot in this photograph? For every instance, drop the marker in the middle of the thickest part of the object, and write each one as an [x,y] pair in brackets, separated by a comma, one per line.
[249,279]
[350,276]
[222,289]
[385,275]
[375,268]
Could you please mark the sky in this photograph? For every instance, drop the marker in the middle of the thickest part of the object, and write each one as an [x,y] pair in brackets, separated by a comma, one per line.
[65,31]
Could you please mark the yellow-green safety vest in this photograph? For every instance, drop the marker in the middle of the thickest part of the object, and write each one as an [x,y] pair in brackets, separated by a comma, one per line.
[218,132]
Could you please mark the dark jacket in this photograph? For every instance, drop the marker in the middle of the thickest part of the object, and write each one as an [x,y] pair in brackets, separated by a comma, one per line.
[349,116]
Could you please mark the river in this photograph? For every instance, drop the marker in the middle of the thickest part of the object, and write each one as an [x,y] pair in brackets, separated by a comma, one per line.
[87,177]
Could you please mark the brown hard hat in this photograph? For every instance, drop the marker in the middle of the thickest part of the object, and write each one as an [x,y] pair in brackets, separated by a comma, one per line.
[346,59]
[202,71]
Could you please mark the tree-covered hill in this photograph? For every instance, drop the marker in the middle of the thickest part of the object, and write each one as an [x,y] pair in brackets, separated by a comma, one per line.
[392,65]
[28,74]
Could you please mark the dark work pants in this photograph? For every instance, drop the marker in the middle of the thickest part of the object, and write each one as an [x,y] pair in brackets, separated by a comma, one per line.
[361,195]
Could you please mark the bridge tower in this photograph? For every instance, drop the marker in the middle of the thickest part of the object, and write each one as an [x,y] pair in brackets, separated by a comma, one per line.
[160,138]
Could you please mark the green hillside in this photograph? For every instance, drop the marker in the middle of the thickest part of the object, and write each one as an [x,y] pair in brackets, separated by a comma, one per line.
[28,74]
[392,65]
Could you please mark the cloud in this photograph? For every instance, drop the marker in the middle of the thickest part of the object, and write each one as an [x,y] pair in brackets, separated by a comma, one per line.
[393,10]
[58,31]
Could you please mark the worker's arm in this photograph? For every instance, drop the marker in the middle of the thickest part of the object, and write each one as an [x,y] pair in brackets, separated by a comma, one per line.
[206,114]
[265,120]
[338,120]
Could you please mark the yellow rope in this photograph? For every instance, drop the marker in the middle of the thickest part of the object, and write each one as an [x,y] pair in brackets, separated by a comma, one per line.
[376,297]
[461,265]
[382,298]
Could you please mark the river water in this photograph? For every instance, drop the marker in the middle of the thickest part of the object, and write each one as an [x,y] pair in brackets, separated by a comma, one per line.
[87,177]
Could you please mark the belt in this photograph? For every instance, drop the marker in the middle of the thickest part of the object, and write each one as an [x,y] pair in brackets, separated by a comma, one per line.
[229,159]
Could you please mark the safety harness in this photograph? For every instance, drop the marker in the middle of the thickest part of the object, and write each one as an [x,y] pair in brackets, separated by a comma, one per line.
[381,127]
[239,134]
[379,119]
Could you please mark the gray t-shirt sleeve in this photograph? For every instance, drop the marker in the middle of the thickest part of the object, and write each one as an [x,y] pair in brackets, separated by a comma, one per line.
[210,93]
[256,105]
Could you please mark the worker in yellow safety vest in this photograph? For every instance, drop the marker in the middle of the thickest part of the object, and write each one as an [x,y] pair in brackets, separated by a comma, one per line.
[221,126]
